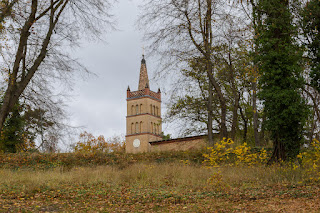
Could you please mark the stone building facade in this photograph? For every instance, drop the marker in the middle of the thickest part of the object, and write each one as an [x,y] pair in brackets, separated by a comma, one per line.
[144,122]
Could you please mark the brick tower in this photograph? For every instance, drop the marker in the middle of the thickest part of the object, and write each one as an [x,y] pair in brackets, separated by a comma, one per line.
[143,115]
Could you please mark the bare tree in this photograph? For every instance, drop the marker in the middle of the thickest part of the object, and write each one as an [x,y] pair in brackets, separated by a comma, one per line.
[39,37]
[186,29]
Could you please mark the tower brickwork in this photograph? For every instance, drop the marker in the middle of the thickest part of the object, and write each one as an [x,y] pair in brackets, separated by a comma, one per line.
[144,123]
[143,79]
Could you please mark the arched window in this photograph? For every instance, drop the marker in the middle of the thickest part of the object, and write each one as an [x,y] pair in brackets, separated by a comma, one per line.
[140,108]
[157,111]
[141,127]
[132,128]
[151,127]
[150,109]
[137,109]
[132,110]
[154,109]
[137,127]
[155,130]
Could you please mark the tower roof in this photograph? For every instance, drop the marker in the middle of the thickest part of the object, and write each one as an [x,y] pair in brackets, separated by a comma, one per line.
[143,80]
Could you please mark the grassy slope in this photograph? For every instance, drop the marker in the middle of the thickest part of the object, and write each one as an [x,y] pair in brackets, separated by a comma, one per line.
[151,187]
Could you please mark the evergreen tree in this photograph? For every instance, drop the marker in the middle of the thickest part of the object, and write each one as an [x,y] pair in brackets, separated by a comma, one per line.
[310,25]
[279,59]
[13,133]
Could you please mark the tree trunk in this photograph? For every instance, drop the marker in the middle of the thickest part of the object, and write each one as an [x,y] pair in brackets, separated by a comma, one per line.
[279,152]
[224,132]
[235,116]
[245,128]
[256,22]
[223,106]
[210,120]
[9,100]
[313,126]
[207,45]
[255,114]
[262,135]
[236,98]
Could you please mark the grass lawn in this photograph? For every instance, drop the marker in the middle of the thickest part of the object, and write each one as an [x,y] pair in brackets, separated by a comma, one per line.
[165,187]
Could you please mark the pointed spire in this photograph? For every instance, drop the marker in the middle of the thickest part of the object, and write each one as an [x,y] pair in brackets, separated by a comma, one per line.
[143,80]
[143,61]
[159,91]
[128,88]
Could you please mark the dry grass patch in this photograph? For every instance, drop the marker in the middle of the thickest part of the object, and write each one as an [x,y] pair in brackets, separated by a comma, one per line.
[173,187]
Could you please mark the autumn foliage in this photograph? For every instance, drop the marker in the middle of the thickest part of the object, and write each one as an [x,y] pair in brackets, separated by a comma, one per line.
[310,161]
[90,144]
[225,152]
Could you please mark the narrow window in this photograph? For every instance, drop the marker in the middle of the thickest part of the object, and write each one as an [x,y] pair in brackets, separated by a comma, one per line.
[157,111]
[132,110]
[141,127]
[154,109]
[151,127]
[150,109]
[154,126]
[140,108]
[132,128]
[137,109]
[137,127]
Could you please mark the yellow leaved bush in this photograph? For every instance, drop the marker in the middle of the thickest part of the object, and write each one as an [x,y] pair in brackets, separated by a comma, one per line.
[225,152]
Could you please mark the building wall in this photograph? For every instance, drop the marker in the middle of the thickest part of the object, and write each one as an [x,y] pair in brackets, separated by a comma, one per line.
[180,144]
[143,104]
[144,142]
[143,123]
[140,116]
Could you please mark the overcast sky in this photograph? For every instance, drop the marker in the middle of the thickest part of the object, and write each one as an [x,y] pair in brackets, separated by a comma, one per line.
[99,103]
